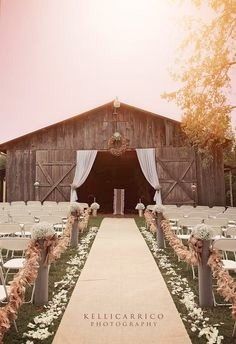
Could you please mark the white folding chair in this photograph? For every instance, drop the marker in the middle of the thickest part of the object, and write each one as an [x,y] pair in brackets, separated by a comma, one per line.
[9,229]
[4,292]
[34,203]
[189,223]
[17,203]
[225,245]
[217,222]
[14,245]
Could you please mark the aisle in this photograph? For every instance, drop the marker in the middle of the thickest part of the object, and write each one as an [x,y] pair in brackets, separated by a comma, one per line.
[120,297]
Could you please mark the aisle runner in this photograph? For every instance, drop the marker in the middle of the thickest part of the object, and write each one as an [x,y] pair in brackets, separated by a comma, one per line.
[120,297]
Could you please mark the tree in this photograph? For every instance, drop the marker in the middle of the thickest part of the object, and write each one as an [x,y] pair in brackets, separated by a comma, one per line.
[208,55]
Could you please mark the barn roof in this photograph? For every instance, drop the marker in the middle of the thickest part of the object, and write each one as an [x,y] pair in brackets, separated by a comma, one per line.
[5,145]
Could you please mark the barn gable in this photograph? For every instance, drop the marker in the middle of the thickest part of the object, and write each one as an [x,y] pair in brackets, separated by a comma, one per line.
[92,129]
[48,156]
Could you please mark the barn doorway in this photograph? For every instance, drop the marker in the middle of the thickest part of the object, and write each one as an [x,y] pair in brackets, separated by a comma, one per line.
[110,172]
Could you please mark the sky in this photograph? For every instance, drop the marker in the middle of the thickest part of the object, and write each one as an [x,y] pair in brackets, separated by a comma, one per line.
[59,58]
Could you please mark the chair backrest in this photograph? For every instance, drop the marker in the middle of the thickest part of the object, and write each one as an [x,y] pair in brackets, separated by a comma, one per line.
[220,209]
[17,203]
[50,219]
[23,219]
[202,207]
[14,244]
[197,214]
[231,231]
[64,204]
[2,280]
[173,214]
[231,217]
[9,228]
[217,230]
[28,227]
[50,203]
[217,222]
[226,244]
[189,222]
[34,203]
[4,218]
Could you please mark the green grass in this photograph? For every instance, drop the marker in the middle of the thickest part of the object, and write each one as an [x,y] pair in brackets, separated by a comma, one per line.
[28,311]
[215,314]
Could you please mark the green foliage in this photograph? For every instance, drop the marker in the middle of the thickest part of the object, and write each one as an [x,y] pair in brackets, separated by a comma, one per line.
[207,56]
[2,161]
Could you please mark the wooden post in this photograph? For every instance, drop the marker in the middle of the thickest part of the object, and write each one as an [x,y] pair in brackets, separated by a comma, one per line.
[205,277]
[74,240]
[41,283]
[160,234]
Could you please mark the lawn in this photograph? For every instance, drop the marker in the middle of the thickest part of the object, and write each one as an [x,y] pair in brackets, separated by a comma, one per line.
[57,271]
[216,315]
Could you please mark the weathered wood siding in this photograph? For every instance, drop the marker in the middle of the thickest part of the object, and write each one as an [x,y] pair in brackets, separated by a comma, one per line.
[176,167]
[92,131]
[210,181]
[55,171]
[20,175]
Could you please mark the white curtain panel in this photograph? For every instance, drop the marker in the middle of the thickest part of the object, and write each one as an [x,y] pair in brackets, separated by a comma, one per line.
[84,163]
[146,158]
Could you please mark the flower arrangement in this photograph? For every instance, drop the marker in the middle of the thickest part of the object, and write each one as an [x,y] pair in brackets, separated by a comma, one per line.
[117,136]
[179,286]
[42,325]
[94,206]
[117,144]
[159,208]
[202,232]
[140,206]
[42,230]
[75,208]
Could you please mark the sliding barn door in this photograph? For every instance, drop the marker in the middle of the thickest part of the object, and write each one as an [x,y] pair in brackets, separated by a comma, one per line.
[55,172]
[176,168]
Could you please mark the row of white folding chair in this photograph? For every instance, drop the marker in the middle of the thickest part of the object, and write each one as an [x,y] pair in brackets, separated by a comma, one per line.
[225,245]
[230,209]
[4,218]
[14,260]
[5,292]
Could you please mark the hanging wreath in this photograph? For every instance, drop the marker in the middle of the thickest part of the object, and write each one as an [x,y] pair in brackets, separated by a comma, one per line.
[117,144]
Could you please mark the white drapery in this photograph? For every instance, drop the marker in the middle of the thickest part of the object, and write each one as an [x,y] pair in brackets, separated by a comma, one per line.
[146,158]
[84,163]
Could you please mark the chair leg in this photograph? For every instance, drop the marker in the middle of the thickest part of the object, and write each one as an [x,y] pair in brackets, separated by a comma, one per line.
[193,272]
[14,322]
[234,329]
[6,275]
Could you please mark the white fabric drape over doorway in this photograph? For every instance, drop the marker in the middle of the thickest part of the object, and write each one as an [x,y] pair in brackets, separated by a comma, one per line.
[84,163]
[146,158]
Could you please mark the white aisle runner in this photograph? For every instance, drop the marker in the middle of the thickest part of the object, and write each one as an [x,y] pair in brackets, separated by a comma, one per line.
[121,297]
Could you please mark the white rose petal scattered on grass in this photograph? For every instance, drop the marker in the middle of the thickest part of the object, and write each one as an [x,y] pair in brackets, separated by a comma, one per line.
[179,287]
[40,326]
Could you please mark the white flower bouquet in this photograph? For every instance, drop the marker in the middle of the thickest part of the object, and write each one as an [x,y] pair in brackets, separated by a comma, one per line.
[140,206]
[75,207]
[94,206]
[42,230]
[202,232]
[159,208]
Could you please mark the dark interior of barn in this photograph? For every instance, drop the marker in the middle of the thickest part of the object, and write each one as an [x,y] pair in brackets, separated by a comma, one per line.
[111,172]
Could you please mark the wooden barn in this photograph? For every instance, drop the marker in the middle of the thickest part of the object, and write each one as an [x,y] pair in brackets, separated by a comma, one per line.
[41,164]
